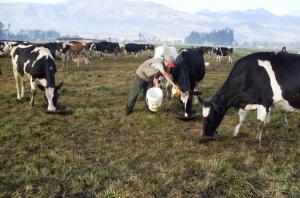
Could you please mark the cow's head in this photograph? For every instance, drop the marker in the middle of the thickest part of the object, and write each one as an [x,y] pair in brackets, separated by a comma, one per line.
[51,95]
[212,116]
[59,46]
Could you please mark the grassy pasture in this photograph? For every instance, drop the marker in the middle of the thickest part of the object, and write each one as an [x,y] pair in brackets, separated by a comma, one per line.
[95,152]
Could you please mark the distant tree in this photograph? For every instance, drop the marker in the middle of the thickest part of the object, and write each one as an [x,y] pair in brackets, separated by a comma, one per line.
[2,30]
[25,34]
[215,37]
[52,35]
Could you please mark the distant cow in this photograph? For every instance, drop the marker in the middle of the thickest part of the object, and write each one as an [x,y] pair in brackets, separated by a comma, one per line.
[38,65]
[53,47]
[206,50]
[6,46]
[106,47]
[189,70]
[149,47]
[223,51]
[135,48]
[74,49]
[261,79]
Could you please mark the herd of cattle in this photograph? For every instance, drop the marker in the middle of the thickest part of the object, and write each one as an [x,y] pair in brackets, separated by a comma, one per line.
[258,81]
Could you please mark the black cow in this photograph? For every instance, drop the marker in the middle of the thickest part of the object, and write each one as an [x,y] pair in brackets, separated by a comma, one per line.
[106,47]
[258,80]
[189,70]
[0,71]
[223,51]
[150,47]
[206,50]
[134,48]
[37,64]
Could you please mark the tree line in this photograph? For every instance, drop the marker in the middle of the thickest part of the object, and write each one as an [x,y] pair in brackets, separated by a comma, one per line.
[215,37]
[28,35]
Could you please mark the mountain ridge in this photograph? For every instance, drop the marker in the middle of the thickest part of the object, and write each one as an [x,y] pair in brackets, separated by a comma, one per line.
[126,19]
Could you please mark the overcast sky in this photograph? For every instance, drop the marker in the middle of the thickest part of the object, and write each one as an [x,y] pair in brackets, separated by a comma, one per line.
[279,7]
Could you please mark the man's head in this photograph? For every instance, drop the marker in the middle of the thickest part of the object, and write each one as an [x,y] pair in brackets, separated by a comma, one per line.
[169,61]
[283,49]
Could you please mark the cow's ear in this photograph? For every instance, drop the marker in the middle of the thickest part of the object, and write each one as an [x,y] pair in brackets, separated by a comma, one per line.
[59,85]
[41,87]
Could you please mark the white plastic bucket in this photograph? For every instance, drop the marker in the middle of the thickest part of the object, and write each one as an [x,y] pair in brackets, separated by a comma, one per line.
[154,98]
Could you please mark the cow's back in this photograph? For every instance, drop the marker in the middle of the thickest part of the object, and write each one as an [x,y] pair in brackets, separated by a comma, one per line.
[189,68]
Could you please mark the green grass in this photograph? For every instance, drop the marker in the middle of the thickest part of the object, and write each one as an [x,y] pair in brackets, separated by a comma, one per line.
[95,152]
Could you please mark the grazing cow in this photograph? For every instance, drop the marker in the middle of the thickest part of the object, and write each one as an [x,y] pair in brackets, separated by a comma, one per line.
[189,70]
[38,65]
[106,47]
[261,80]
[223,51]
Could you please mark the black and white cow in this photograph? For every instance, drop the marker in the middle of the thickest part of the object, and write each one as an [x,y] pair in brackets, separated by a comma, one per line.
[189,70]
[37,64]
[259,81]
[223,51]
[6,46]
[106,47]
[53,47]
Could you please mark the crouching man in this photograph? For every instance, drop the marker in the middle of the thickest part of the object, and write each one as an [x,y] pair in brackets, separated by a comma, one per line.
[146,74]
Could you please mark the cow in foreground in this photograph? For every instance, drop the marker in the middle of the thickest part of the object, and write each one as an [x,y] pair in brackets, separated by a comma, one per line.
[189,70]
[37,64]
[259,81]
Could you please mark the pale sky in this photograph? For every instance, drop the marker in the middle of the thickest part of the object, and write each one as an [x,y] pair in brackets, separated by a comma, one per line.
[278,7]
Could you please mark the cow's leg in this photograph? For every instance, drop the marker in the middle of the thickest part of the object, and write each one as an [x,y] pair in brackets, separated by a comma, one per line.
[22,86]
[68,60]
[229,59]
[262,114]
[63,60]
[17,79]
[242,117]
[78,60]
[286,121]
[33,91]
[184,96]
